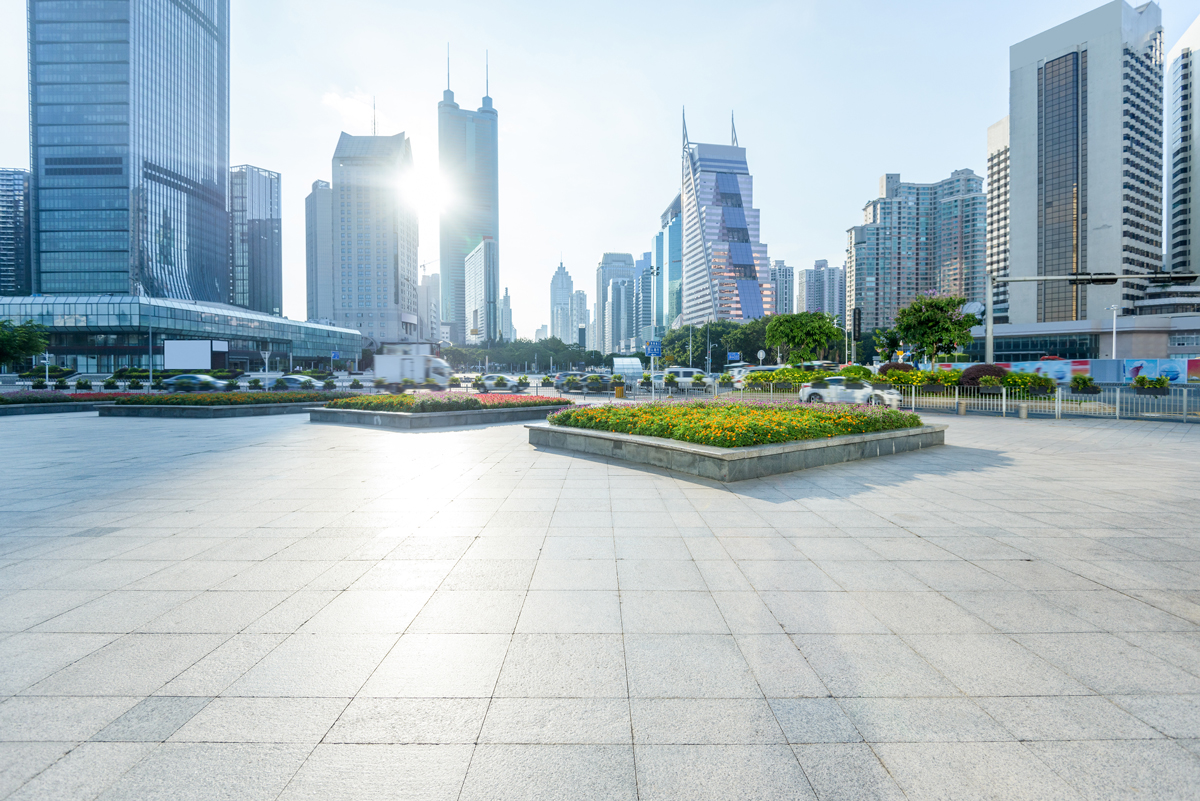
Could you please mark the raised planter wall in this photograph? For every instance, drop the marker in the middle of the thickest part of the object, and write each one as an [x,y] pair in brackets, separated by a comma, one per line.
[51,408]
[409,421]
[207,412]
[735,464]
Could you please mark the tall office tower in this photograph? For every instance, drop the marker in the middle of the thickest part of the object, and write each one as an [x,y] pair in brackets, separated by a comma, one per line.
[482,284]
[255,240]
[129,136]
[784,278]
[910,236]
[620,321]
[997,216]
[1181,67]
[561,289]
[322,280]
[660,300]
[643,303]
[1085,124]
[672,228]
[429,302]
[612,266]
[376,246]
[726,274]
[541,333]
[579,318]
[14,232]
[507,332]
[467,158]
[961,267]
[823,289]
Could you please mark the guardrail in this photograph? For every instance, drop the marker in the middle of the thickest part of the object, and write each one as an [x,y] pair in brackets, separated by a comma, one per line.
[1180,404]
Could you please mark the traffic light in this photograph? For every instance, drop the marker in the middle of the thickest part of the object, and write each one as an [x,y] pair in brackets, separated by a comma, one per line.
[857,323]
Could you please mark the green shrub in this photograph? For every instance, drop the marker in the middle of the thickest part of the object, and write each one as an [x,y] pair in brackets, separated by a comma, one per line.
[83,383]
[40,372]
[523,381]
[500,382]
[669,380]
[38,383]
[454,382]
[547,381]
[423,404]
[947,378]
[1081,381]
[725,380]
[279,384]
[896,367]
[61,383]
[110,383]
[329,383]
[355,384]
[224,399]
[232,385]
[255,383]
[158,384]
[990,381]
[973,375]
[308,384]
[698,380]
[380,382]
[1023,382]
[1142,382]
[133,384]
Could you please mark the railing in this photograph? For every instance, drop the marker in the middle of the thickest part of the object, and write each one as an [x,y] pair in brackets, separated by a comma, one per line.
[1180,404]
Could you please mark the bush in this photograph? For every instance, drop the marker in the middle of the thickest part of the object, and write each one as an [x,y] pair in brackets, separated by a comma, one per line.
[279,384]
[858,372]
[1082,381]
[523,381]
[1141,382]
[698,380]
[40,372]
[1023,382]
[670,380]
[547,381]
[947,378]
[725,380]
[329,383]
[454,382]
[896,366]
[308,384]
[46,396]
[223,399]
[232,385]
[158,384]
[110,383]
[500,382]
[617,378]
[972,375]
[83,383]
[133,384]
[989,381]
[60,383]
[355,384]
[422,404]
[39,383]
[255,383]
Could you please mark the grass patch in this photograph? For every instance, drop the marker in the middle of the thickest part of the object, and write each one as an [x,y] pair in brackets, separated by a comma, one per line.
[425,402]
[227,398]
[735,424]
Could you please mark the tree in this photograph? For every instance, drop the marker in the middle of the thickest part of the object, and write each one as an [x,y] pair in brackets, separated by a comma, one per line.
[933,325]
[748,339]
[805,333]
[18,342]
[887,343]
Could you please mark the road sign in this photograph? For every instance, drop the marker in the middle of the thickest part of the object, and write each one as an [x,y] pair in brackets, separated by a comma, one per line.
[654,348]
[733,356]
[762,354]
[335,355]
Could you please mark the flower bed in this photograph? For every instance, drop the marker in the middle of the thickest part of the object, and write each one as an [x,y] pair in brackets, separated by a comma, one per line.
[227,398]
[50,396]
[735,424]
[429,402]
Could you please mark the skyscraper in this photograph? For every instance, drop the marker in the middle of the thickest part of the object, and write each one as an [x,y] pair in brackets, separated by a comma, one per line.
[823,289]
[561,288]
[322,279]
[660,298]
[672,229]
[376,245]
[1085,124]
[726,274]
[482,284]
[643,301]
[14,232]
[507,332]
[579,318]
[129,135]
[255,240]
[1181,147]
[429,301]
[916,239]
[784,278]
[612,266]
[467,157]
[620,321]
[997,215]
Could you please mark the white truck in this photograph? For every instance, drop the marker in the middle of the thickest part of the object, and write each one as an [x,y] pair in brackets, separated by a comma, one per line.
[411,360]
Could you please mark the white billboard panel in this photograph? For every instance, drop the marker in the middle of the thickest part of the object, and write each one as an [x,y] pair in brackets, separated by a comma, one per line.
[187,354]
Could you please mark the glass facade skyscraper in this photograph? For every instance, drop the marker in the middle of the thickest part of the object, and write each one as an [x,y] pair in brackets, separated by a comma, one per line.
[14,232]
[129,133]
[255,240]
[467,158]
[561,289]
[672,228]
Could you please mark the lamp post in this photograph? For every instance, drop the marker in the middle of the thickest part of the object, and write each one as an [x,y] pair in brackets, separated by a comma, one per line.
[1114,310]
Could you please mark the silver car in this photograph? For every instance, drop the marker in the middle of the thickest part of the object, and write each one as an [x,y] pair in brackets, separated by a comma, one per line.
[836,391]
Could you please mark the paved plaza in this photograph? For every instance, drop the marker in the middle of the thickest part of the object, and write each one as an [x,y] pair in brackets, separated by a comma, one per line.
[266,608]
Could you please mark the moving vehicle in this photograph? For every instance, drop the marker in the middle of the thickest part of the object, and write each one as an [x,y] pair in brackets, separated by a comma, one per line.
[412,360]
[560,380]
[683,377]
[299,381]
[193,382]
[836,391]
[492,382]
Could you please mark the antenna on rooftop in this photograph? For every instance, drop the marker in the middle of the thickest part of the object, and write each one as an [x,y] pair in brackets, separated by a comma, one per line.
[447,66]
[733,129]
[486,76]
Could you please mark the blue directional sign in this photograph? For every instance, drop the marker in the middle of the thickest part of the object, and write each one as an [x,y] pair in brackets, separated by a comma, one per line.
[733,356]
[654,348]
[335,355]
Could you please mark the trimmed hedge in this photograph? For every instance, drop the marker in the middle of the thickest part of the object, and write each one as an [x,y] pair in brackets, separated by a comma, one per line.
[226,398]
[425,402]
[40,372]
[970,377]
[890,366]
[50,396]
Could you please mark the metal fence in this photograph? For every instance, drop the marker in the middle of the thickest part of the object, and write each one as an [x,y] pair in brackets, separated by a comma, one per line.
[1180,404]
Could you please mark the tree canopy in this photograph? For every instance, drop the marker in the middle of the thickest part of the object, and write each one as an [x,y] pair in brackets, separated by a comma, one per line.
[933,325]
[19,342]
[805,333]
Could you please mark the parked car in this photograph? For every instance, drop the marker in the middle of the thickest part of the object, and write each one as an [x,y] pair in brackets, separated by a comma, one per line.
[193,382]
[837,392]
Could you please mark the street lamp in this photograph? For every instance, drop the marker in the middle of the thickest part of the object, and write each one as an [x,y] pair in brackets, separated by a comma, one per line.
[1114,310]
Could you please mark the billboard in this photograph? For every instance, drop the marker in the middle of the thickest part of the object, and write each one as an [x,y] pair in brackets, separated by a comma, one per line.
[187,354]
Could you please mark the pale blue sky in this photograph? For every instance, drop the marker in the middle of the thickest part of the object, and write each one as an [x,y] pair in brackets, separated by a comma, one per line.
[828,96]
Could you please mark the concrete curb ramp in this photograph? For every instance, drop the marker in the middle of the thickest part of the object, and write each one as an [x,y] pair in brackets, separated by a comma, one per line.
[409,421]
[51,408]
[206,412]
[735,464]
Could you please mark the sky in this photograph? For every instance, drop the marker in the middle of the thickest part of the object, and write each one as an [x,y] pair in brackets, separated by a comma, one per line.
[827,96]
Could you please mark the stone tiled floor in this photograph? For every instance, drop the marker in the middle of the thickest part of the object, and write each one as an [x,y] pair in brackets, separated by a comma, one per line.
[266,608]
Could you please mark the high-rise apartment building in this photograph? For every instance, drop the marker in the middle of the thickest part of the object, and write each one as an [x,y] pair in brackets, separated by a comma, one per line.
[255,240]
[784,278]
[620,316]
[376,246]
[467,158]
[672,232]
[561,290]
[323,281]
[580,319]
[660,298]
[822,289]
[507,332]
[726,274]
[643,302]
[14,233]
[1085,131]
[997,216]
[429,302]
[482,285]
[916,239]
[613,266]
[129,136]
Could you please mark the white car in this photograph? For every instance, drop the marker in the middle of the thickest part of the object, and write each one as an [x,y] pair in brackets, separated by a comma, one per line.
[491,383]
[683,377]
[836,391]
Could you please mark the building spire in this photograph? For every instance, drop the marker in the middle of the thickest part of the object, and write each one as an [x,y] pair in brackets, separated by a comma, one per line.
[733,129]
[685,139]
[447,66]
[487,88]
